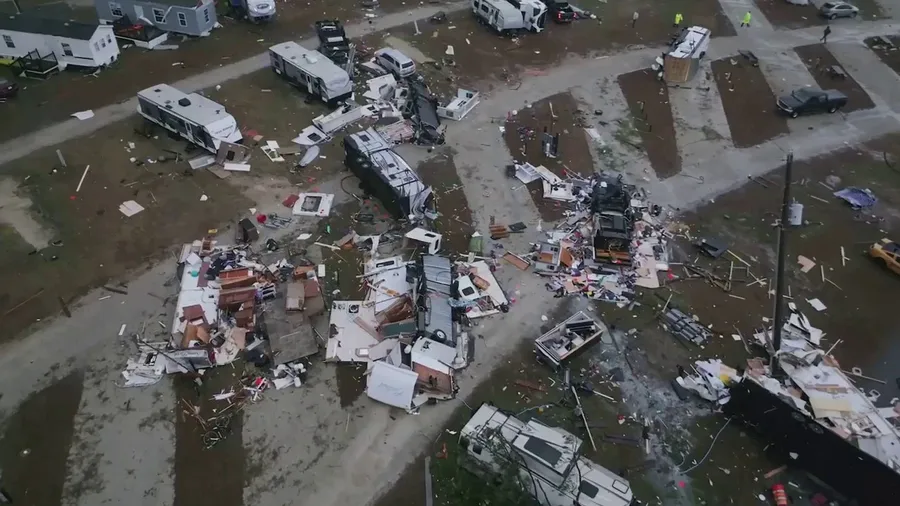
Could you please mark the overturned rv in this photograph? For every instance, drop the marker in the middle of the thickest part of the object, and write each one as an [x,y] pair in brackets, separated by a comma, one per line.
[311,71]
[506,16]
[550,467]
[387,176]
[193,117]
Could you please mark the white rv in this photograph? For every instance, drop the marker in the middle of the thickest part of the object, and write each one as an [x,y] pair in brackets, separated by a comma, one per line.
[506,16]
[311,71]
[194,117]
[551,468]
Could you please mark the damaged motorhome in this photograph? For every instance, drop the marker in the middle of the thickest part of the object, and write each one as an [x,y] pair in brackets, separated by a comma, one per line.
[387,176]
[191,116]
[311,71]
[547,459]
[506,16]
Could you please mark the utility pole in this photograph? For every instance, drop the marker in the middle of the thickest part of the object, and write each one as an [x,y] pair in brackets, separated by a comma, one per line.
[777,320]
[16,5]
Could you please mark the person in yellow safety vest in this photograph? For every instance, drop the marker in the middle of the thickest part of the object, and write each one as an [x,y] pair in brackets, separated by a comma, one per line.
[678,19]
[746,20]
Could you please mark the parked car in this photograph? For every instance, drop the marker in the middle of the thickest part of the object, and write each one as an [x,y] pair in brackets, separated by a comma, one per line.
[560,11]
[333,41]
[811,100]
[887,253]
[395,61]
[834,10]
[8,89]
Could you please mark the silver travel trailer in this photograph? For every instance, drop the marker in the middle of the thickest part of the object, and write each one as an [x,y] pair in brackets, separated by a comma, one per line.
[506,16]
[311,71]
[193,117]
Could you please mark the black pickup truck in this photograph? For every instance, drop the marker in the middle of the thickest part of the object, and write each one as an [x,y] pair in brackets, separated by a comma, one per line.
[333,42]
[560,11]
[811,100]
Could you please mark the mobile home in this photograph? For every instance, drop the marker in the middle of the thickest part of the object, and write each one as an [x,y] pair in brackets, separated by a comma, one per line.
[71,43]
[192,116]
[511,15]
[547,457]
[387,176]
[190,17]
[311,71]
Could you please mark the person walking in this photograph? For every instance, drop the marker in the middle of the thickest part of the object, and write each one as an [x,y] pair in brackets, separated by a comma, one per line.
[634,18]
[678,19]
[825,35]
[746,20]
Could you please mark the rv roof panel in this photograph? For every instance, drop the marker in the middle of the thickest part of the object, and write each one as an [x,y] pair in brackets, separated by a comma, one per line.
[198,109]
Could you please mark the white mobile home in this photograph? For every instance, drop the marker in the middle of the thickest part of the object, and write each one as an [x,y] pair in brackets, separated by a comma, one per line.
[548,458]
[511,15]
[311,71]
[77,44]
[194,117]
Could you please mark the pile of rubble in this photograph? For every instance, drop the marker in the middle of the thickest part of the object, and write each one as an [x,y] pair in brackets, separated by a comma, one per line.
[225,306]
[400,109]
[408,330]
[611,241]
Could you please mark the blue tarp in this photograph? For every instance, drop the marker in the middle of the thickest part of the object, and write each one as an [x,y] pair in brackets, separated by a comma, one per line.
[859,198]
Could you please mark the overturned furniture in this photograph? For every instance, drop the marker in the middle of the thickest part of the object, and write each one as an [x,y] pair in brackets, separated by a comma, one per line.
[570,338]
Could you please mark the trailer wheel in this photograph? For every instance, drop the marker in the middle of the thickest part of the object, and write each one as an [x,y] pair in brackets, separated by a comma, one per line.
[702,54]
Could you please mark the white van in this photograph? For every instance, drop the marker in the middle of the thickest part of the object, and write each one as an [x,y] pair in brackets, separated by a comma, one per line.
[396,62]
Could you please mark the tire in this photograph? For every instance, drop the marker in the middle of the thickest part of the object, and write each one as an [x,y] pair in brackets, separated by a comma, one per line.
[795,114]
[832,17]
[832,110]
[853,16]
[702,54]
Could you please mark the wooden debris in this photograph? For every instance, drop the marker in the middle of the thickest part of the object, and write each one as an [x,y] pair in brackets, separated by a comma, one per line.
[537,387]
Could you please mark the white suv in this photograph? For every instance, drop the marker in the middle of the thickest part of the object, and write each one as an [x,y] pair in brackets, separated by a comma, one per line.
[395,61]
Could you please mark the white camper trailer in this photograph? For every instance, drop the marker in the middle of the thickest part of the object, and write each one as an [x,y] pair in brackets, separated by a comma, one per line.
[548,458]
[194,117]
[682,61]
[311,71]
[511,15]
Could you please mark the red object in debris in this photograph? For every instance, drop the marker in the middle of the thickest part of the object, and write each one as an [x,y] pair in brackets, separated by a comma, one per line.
[71,197]
[779,494]
[443,453]
[290,201]
[260,218]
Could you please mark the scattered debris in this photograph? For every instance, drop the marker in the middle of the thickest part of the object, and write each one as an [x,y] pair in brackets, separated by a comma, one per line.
[83,115]
[129,208]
